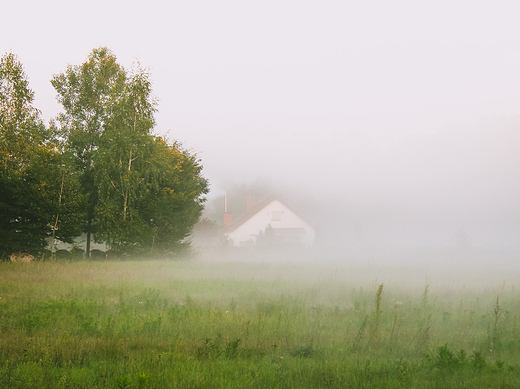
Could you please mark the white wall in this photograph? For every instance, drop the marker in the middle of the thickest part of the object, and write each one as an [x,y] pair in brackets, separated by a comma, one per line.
[250,229]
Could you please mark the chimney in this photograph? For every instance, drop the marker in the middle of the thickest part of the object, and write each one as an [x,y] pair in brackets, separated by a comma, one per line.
[250,202]
[228,217]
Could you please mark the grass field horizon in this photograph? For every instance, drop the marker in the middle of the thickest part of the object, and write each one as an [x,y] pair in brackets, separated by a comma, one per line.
[275,321]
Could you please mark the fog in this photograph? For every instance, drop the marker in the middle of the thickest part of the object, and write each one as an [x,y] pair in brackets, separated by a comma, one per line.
[390,125]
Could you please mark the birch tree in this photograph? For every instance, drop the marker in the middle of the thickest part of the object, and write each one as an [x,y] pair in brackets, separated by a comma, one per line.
[151,193]
[88,93]
[143,193]
[123,163]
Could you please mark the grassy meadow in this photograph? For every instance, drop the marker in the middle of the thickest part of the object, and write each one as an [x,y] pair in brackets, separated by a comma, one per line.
[271,324]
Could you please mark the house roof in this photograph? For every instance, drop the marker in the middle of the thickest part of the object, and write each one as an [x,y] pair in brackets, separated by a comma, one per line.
[253,211]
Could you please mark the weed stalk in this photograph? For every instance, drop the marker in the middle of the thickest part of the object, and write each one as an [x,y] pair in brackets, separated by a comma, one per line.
[496,312]
[374,336]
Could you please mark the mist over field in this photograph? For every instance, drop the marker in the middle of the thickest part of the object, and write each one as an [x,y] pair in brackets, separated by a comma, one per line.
[386,132]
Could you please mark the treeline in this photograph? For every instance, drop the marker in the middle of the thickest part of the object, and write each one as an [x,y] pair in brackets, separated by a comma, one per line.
[96,168]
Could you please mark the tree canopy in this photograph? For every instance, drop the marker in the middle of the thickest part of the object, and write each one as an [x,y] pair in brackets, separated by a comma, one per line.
[39,193]
[98,168]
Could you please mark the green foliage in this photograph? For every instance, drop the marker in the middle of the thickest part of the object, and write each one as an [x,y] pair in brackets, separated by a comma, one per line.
[175,199]
[143,194]
[231,350]
[122,165]
[98,168]
[446,358]
[22,130]
[123,382]
[154,206]
[22,133]
[89,94]
[39,194]
[478,361]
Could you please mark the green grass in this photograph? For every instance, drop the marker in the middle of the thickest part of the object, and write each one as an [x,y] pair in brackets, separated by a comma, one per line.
[165,324]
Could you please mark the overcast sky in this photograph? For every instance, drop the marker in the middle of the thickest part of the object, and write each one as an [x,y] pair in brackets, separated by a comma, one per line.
[411,107]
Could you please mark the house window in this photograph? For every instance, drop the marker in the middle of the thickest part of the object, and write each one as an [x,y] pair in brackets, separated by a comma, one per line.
[276,216]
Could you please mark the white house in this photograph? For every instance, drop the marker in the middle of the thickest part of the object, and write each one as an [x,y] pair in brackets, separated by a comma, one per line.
[274,215]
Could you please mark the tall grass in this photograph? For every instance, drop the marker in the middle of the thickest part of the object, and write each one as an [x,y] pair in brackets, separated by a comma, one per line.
[160,324]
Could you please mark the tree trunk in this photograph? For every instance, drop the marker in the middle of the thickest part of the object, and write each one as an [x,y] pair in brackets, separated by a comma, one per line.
[87,248]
